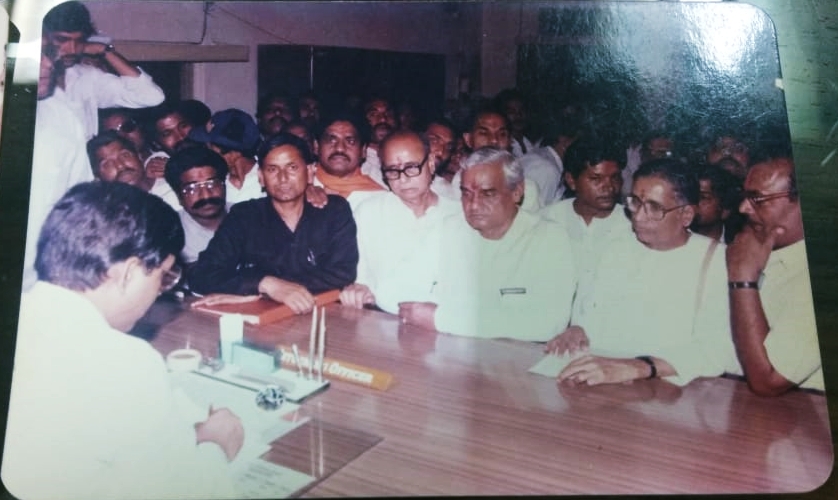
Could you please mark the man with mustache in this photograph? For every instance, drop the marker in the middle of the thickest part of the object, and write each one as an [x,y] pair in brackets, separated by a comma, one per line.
[273,112]
[114,158]
[280,246]
[772,315]
[197,175]
[592,217]
[340,152]
[67,29]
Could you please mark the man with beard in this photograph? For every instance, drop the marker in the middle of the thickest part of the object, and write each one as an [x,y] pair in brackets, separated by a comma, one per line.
[197,175]
[66,30]
[340,152]
[273,112]
[716,215]
[508,273]
[113,158]
[772,315]
[592,217]
[280,246]
[658,304]
[442,138]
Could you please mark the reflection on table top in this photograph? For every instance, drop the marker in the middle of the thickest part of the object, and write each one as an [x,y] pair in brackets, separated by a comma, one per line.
[464,417]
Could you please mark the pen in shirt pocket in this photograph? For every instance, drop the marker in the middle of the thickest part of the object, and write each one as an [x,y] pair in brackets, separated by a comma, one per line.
[311,258]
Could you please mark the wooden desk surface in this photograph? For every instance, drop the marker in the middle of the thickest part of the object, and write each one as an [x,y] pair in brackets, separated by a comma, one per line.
[465,417]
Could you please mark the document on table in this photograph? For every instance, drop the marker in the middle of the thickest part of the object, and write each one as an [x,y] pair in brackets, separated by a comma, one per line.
[257,478]
[551,365]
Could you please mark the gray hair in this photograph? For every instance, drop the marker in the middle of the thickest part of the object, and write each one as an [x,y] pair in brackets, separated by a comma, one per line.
[513,171]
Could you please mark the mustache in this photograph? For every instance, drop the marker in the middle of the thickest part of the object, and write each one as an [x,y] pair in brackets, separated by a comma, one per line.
[335,155]
[214,201]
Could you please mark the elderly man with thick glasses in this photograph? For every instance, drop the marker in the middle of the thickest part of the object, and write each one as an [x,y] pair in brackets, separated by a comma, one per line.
[772,316]
[395,228]
[658,306]
[105,253]
[197,175]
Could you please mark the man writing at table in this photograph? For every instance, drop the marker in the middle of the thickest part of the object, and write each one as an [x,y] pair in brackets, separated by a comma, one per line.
[658,300]
[92,414]
[509,273]
[280,246]
[772,315]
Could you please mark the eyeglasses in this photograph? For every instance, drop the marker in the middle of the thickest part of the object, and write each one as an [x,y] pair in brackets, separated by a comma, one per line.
[654,210]
[170,278]
[127,126]
[393,173]
[193,188]
[757,199]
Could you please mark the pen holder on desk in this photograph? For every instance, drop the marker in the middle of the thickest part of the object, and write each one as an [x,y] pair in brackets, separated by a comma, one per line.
[253,359]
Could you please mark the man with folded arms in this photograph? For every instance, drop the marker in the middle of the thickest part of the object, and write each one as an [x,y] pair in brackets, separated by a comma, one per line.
[771,310]
[658,303]
[395,228]
[197,175]
[100,419]
[507,272]
[280,246]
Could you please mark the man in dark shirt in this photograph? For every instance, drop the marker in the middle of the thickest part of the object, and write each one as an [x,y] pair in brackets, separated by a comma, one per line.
[281,245]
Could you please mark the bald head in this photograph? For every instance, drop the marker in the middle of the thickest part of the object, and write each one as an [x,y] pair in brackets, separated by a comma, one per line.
[771,201]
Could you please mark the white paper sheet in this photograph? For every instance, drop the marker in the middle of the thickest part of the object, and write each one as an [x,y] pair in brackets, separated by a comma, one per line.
[551,365]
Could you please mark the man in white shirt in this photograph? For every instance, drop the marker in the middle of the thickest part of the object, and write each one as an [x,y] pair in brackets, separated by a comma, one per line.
[592,217]
[772,315]
[67,28]
[399,231]
[658,304]
[59,159]
[197,175]
[507,273]
[511,103]
[105,253]
[234,135]
[114,158]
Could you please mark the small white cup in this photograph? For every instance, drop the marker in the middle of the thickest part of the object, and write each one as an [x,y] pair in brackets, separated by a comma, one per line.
[183,360]
[232,330]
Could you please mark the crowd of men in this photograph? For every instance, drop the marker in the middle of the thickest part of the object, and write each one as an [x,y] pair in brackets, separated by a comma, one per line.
[483,228]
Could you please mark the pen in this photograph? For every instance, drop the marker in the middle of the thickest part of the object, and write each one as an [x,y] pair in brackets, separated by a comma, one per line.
[297,360]
[311,338]
[322,345]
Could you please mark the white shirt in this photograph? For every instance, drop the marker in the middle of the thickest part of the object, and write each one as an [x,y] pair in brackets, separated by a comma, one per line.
[588,241]
[520,286]
[399,251]
[197,236]
[59,162]
[544,167]
[786,295]
[251,188]
[162,189]
[518,151]
[92,413]
[89,89]
[643,302]
[372,167]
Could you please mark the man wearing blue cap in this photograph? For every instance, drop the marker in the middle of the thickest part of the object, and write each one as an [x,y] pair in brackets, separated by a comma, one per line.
[234,135]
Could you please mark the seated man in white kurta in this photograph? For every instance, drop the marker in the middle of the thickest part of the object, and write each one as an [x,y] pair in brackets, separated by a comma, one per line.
[507,273]
[772,314]
[592,217]
[659,302]
[399,231]
[101,420]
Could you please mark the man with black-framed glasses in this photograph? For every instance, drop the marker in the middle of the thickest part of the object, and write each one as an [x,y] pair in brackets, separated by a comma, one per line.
[395,228]
[657,306]
[197,175]
[772,315]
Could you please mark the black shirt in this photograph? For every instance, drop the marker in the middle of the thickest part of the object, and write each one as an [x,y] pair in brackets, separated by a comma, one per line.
[253,242]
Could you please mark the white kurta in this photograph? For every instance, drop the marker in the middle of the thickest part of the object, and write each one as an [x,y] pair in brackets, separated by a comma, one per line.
[89,89]
[92,413]
[399,251]
[792,341]
[543,166]
[59,162]
[196,236]
[251,189]
[520,286]
[588,241]
[644,303]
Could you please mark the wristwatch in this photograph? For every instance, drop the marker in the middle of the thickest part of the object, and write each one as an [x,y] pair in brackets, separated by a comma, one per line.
[109,48]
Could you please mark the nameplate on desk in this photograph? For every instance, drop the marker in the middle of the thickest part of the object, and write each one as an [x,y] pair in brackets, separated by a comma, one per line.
[264,311]
[513,291]
[343,370]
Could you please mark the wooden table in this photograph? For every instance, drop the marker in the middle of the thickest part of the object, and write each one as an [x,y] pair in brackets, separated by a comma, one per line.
[465,418]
